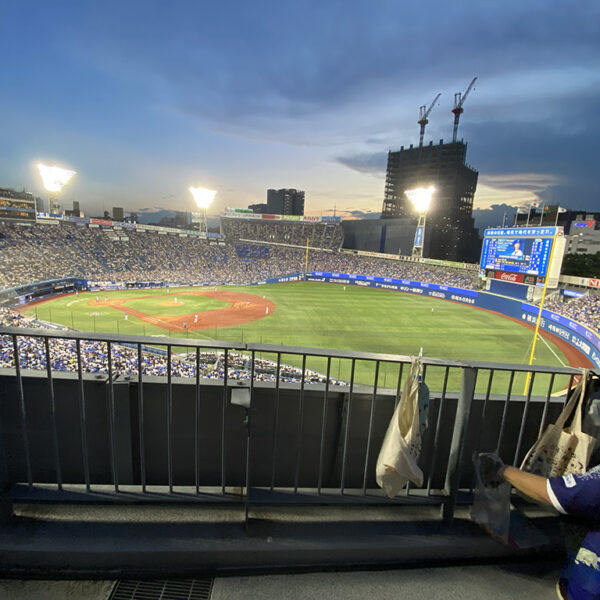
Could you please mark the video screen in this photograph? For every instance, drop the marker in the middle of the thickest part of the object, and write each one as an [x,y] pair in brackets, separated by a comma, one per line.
[525,255]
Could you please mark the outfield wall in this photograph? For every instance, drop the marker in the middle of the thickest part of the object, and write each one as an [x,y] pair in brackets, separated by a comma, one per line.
[584,340]
[283,279]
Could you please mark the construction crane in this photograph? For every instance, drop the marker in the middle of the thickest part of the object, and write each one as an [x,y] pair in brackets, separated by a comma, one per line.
[459,100]
[423,114]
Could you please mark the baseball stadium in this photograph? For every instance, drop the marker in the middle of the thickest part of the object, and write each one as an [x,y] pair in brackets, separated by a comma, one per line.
[261,366]
[285,283]
[279,319]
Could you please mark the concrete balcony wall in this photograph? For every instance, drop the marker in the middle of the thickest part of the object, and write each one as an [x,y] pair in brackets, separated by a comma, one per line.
[279,443]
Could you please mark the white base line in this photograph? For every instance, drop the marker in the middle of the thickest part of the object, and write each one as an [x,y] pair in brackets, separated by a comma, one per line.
[551,350]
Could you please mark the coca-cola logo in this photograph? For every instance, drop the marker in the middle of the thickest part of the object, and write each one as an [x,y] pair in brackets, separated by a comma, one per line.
[509,277]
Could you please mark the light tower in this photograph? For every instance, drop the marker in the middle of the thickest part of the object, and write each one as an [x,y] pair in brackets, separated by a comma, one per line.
[421,199]
[203,198]
[54,178]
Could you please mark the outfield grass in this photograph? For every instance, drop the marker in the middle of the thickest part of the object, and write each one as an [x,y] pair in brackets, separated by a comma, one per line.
[330,316]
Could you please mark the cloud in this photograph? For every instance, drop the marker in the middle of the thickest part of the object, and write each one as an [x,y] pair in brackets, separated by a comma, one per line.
[356,213]
[494,216]
[154,216]
[552,158]
[374,162]
[362,214]
[240,70]
[486,197]
[246,72]
[536,182]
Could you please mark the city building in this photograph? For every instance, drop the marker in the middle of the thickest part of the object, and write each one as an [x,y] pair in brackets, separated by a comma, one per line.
[450,232]
[17,206]
[584,235]
[285,202]
[117,213]
[549,215]
[75,212]
[260,209]
[177,219]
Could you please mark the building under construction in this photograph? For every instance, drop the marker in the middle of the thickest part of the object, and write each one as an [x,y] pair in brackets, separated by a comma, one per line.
[450,228]
[450,233]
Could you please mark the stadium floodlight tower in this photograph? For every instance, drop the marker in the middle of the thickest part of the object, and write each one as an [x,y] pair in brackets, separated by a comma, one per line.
[421,200]
[203,198]
[54,179]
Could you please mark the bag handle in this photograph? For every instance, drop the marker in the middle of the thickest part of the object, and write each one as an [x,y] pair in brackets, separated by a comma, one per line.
[413,375]
[577,423]
[568,409]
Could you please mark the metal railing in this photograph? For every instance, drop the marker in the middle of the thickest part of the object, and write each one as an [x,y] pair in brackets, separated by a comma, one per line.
[117,422]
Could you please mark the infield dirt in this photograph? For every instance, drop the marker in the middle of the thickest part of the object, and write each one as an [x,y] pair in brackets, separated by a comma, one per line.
[243,308]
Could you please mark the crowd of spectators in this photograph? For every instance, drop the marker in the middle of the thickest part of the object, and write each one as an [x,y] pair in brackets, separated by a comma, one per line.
[124,360]
[350,263]
[585,309]
[41,252]
[327,236]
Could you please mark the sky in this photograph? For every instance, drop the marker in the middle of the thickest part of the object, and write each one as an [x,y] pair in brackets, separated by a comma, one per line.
[144,99]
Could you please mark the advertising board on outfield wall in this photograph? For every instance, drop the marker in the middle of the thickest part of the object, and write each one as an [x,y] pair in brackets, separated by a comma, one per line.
[581,281]
[284,279]
[587,342]
[238,213]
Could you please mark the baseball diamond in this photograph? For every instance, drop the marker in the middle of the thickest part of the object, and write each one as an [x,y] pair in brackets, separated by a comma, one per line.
[309,314]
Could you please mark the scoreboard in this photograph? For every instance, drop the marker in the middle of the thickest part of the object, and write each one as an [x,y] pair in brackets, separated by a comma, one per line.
[522,254]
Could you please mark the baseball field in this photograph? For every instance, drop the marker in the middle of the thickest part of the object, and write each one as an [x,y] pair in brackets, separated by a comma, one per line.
[317,315]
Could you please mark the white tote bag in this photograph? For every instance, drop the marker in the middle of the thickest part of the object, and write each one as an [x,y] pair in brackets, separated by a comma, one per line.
[397,461]
[562,450]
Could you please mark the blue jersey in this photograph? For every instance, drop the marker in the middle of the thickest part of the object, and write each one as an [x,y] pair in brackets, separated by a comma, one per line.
[579,495]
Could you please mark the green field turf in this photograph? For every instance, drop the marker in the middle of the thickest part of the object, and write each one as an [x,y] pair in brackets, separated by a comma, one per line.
[328,316]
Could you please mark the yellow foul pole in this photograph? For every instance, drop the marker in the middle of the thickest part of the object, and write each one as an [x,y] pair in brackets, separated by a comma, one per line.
[306,258]
[539,317]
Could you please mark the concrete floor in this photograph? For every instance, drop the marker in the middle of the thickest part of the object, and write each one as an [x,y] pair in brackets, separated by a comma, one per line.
[54,590]
[501,582]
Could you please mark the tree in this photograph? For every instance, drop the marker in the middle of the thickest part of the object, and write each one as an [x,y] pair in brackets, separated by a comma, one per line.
[582,265]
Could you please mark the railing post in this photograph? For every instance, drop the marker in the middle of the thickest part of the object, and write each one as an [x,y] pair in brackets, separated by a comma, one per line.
[6,509]
[463,410]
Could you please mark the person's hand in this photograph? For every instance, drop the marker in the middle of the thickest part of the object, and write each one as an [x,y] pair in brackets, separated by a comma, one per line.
[491,468]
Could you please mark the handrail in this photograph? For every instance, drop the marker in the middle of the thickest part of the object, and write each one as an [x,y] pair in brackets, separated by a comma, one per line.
[272,348]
